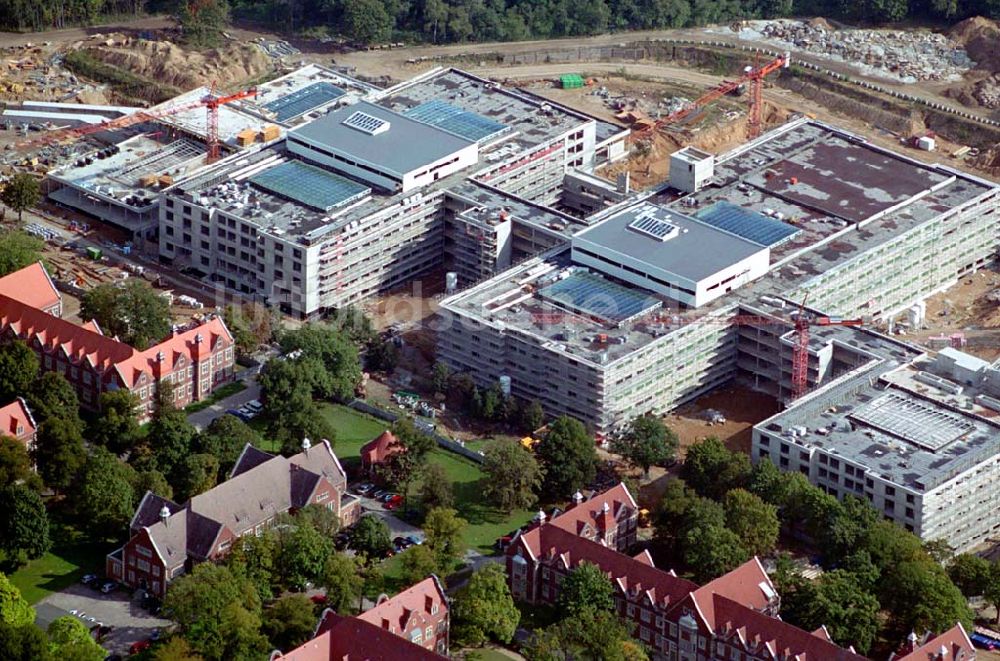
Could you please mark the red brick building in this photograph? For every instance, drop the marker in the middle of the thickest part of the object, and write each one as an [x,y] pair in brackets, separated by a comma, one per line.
[167,539]
[16,422]
[419,614]
[376,451]
[196,360]
[610,518]
[33,286]
[952,645]
[340,638]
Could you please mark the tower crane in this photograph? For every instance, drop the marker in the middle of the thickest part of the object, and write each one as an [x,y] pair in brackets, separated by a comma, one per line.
[800,348]
[211,102]
[754,76]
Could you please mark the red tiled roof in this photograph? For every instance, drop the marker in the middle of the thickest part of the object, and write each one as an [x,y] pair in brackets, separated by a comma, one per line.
[743,585]
[82,343]
[379,448]
[955,642]
[783,639]
[548,541]
[14,415]
[341,638]
[32,286]
[396,611]
[592,512]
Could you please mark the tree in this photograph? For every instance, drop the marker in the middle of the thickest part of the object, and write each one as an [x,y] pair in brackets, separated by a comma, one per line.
[838,602]
[14,610]
[333,352]
[104,494]
[647,442]
[366,21]
[754,521]
[134,312]
[289,621]
[484,609]
[202,22]
[532,417]
[567,456]
[59,452]
[921,597]
[591,634]
[17,250]
[21,192]
[712,469]
[198,474]
[24,523]
[343,582]
[443,529]
[302,553]
[151,480]
[254,559]
[323,520]
[23,643]
[252,325]
[370,538]
[287,393]
[408,456]
[418,563]
[224,438]
[681,510]
[440,376]
[991,591]
[711,551]
[70,638]
[511,476]
[115,427]
[15,464]
[218,612]
[51,396]
[768,483]
[18,369]
[970,573]
[436,489]
[587,586]
[382,356]
[169,434]
[176,648]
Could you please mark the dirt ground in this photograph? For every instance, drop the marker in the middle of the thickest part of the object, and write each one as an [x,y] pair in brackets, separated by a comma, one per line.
[966,308]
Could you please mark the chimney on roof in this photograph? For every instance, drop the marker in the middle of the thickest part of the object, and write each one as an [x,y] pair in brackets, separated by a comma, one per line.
[306,444]
[164,514]
[911,642]
[577,498]
[159,356]
[943,653]
[540,517]
[199,338]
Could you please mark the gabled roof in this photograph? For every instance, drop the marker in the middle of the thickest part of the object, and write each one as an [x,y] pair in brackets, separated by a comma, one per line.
[148,511]
[31,286]
[954,642]
[379,448]
[600,511]
[395,613]
[783,639]
[250,457]
[747,585]
[554,544]
[352,639]
[14,415]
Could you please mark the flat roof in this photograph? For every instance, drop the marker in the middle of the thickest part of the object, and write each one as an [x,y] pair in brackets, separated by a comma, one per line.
[884,419]
[232,120]
[304,93]
[697,251]
[310,185]
[593,295]
[747,223]
[405,144]
[454,120]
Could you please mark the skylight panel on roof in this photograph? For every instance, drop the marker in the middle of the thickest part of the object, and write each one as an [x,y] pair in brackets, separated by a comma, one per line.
[653,227]
[366,123]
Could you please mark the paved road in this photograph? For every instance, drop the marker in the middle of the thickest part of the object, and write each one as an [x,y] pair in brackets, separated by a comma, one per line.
[204,417]
[131,623]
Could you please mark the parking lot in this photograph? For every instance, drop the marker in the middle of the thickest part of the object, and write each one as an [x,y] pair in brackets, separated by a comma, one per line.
[119,609]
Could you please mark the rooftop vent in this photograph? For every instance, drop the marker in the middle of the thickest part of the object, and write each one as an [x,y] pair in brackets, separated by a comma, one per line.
[366,123]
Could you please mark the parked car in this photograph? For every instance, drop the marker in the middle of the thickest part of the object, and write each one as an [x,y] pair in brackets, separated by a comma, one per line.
[388,496]
[502,543]
[139,647]
[254,405]
[414,540]
[155,635]
[363,488]
[108,587]
[248,413]
[318,599]
[238,413]
[378,494]
[89,579]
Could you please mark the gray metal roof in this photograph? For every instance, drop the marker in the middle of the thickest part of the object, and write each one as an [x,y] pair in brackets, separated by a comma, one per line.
[405,146]
[697,252]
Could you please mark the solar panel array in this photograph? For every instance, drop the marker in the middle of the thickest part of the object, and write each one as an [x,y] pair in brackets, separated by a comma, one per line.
[463,123]
[654,227]
[310,185]
[750,225]
[366,123]
[304,100]
[592,295]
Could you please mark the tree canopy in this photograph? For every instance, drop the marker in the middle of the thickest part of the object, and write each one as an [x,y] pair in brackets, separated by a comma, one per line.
[24,523]
[104,496]
[289,621]
[133,311]
[370,537]
[647,442]
[115,426]
[484,609]
[18,370]
[512,476]
[21,192]
[69,638]
[568,457]
[443,529]
[586,587]
[711,469]
[18,249]
[14,610]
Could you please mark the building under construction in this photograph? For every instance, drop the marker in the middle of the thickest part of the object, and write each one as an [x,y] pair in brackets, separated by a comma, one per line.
[659,301]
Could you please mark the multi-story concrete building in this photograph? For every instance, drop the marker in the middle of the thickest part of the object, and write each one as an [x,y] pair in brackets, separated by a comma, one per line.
[445,169]
[167,539]
[194,360]
[639,315]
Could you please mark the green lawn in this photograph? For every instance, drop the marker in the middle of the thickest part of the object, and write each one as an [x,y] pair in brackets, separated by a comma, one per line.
[353,429]
[485,523]
[57,569]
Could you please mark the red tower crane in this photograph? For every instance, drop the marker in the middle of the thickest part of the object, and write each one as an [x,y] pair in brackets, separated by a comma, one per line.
[800,349]
[754,76]
[210,101]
